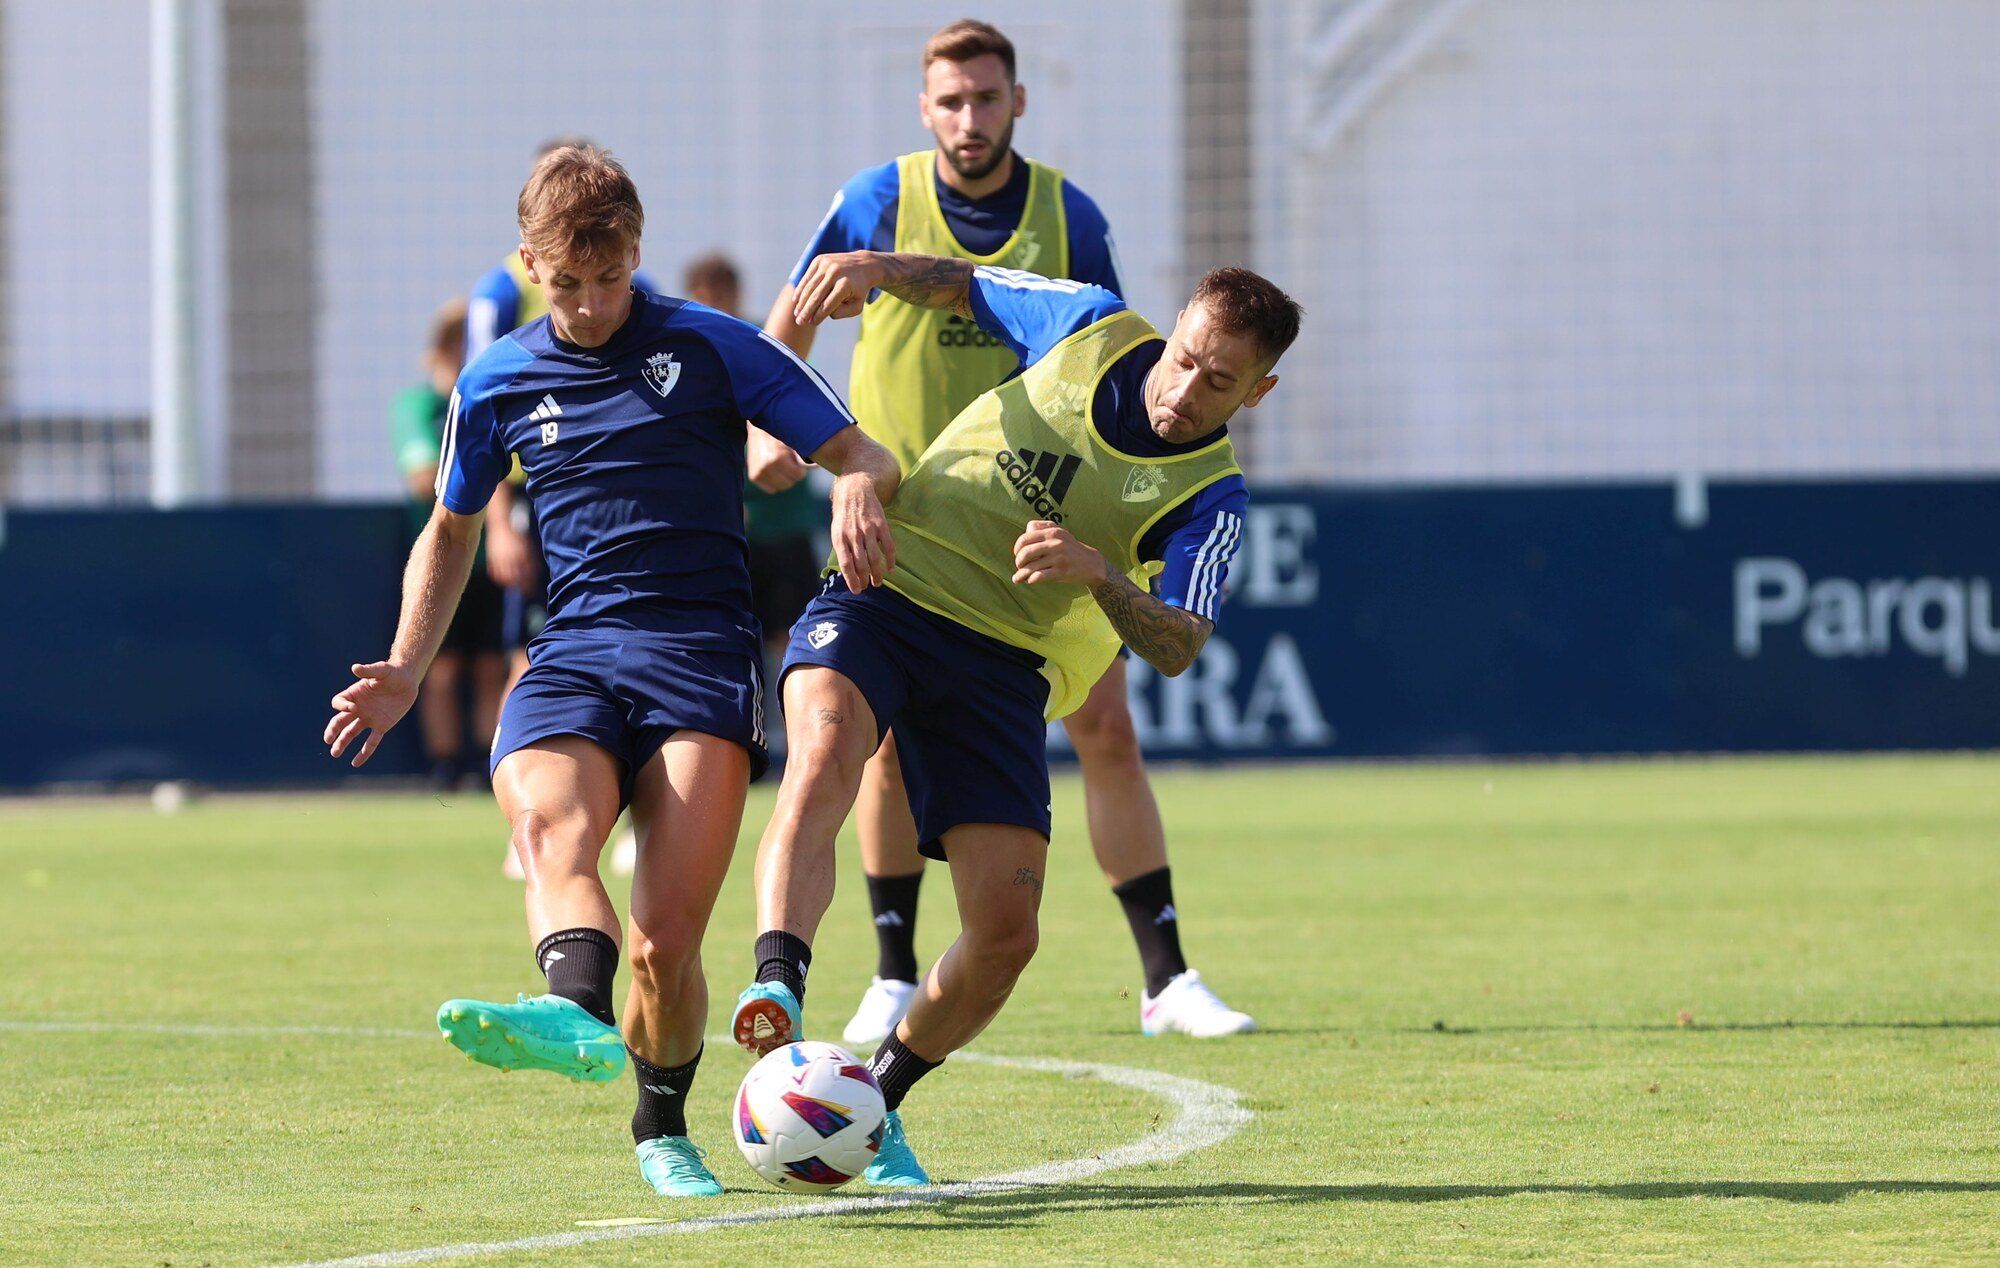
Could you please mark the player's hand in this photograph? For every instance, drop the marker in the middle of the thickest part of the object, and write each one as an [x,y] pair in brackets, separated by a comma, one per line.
[861,540]
[382,693]
[1047,552]
[773,465]
[510,561]
[835,286]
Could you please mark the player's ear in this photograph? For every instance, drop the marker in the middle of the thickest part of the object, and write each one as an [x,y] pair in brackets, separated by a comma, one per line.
[1264,385]
[1020,100]
[924,111]
[528,264]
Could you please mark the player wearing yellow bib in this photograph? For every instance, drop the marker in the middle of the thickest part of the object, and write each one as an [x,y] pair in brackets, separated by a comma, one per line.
[915,368]
[1028,539]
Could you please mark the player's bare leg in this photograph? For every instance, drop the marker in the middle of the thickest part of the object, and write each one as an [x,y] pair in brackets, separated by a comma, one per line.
[1131,847]
[829,734]
[687,805]
[560,796]
[895,872]
[996,873]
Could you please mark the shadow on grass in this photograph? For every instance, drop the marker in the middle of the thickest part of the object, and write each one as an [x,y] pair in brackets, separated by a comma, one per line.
[1635,1028]
[985,1210]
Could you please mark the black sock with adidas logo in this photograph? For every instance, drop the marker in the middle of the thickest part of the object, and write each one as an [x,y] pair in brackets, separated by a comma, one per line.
[580,964]
[783,958]
[1149,908]
[894,899]
[663,1097]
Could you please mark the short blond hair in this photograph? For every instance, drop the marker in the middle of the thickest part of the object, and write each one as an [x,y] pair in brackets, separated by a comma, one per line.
[579,206]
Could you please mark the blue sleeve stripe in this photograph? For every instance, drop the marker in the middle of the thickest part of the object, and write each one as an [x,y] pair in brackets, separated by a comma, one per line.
[825,388]
[1211,565]
[450,450]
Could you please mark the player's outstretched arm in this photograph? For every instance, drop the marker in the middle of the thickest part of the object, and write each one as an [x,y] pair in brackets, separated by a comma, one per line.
[383,692]
[1167,637]
[839,285]
[867,476]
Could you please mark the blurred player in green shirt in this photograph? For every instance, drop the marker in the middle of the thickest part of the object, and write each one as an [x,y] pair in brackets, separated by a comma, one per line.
[472,645]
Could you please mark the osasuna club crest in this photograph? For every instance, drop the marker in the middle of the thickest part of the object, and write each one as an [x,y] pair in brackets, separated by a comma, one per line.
[662,372]
[822,634]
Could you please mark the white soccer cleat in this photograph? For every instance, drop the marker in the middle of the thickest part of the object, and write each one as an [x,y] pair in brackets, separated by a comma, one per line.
[1185,1006]
[882,1006]
[625,853]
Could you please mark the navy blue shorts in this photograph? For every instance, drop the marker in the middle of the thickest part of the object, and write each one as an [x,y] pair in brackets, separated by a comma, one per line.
[966,709]
[628,694]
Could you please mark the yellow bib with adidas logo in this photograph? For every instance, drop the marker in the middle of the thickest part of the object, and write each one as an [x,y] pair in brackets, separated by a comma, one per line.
[915,368]
[1028,450]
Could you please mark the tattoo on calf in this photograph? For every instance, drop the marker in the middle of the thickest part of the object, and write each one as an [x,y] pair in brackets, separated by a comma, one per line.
[1026,876]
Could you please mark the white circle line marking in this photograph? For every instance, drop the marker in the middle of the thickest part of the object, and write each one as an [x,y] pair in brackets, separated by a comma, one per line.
[1208,1114]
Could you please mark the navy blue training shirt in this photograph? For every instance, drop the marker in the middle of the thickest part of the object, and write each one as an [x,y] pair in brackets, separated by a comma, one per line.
[634,457]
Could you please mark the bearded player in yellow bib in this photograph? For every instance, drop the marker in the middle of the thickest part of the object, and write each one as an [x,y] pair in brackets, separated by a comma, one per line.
[1027,541]
[914,369]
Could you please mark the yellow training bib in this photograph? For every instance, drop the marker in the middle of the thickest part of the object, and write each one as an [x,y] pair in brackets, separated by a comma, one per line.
[1028,450]
[915,368]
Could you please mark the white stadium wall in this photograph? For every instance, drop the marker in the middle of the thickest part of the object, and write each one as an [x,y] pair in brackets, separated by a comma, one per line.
[1536,239]
[738,127]
[1555,239]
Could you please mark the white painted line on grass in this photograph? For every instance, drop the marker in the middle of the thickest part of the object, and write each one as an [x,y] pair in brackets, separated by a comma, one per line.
[1208,1114]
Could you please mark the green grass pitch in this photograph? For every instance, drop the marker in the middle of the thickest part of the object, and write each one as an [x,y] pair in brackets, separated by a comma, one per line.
[1711,1011]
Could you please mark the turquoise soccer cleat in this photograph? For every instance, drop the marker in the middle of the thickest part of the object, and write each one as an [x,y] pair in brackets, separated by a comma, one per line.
[674,1167]
[546,1032]
[768,1016]
[895,1165]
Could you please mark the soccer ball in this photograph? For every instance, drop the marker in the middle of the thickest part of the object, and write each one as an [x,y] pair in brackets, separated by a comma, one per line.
[808,1117]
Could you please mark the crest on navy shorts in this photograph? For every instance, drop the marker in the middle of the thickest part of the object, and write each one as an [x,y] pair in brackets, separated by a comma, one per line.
[662,372]
[822,634]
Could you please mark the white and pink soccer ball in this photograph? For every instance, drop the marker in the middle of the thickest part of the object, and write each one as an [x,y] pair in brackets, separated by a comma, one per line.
[808,1117]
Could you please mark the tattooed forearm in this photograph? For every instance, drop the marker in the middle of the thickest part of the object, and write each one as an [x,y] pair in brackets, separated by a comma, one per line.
[1168,637]
[930,281]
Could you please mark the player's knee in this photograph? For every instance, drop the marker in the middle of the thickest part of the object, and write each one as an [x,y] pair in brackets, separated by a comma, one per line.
[826,752]
[1105,737]
[663,959]
[999,955]
[543,842]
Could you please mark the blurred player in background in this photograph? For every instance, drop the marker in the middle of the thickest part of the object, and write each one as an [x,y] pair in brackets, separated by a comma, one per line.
[471,654]
[784,528]
[1030,538]
[506,297]
[971,196]
[645,687]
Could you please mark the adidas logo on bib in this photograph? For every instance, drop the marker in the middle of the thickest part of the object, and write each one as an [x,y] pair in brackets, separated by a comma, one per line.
[1040,478]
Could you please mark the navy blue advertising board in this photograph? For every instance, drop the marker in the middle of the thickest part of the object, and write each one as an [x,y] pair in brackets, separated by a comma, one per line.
[203,645]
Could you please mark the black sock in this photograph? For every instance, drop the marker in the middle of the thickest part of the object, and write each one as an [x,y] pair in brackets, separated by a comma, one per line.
[579,964]
[894,899]
[1156,927]
[897,1069]
[662,1098]
[782,958]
